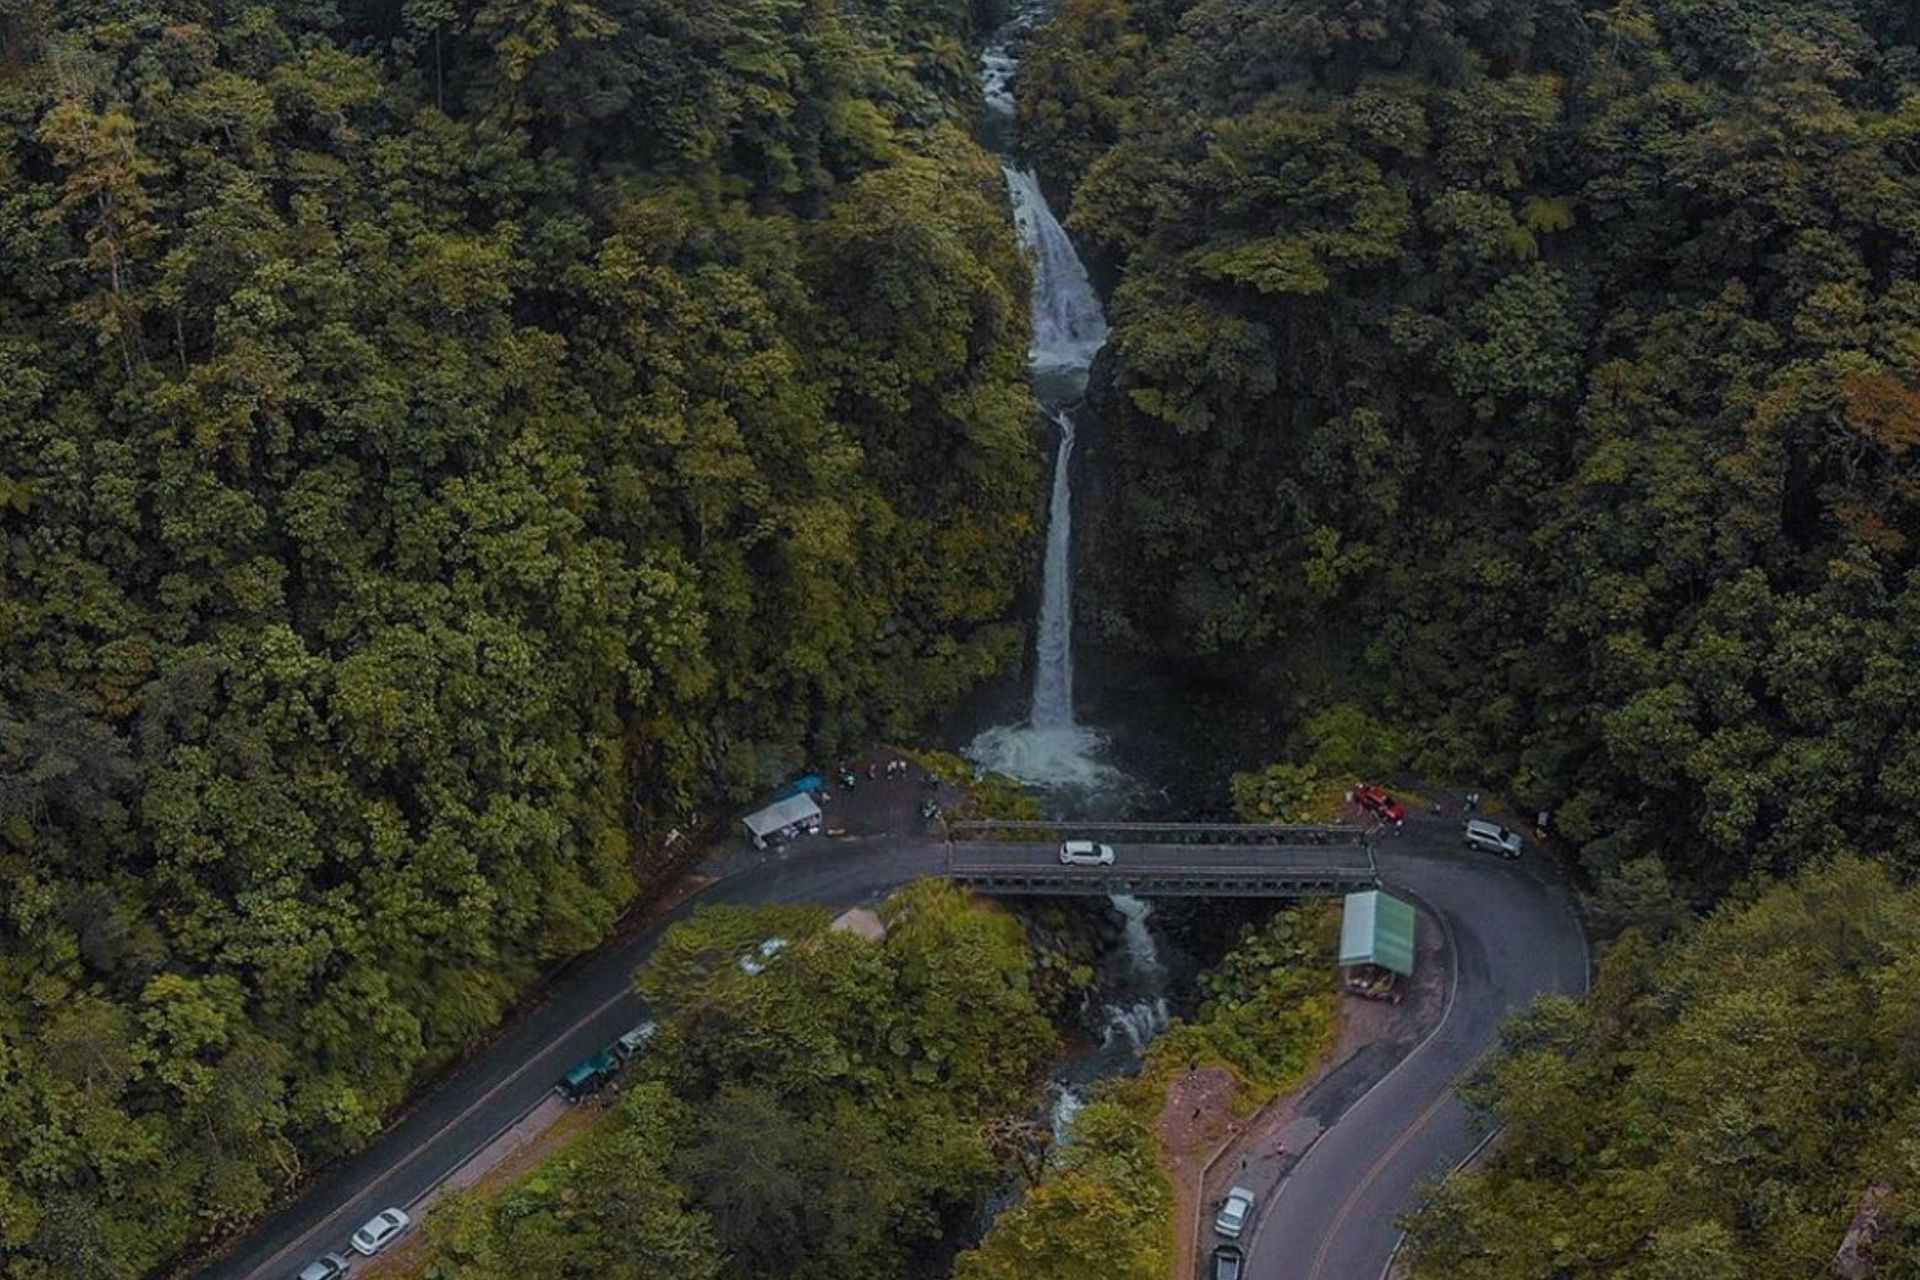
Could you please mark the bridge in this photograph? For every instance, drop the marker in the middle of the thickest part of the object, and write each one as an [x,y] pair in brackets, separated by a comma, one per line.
[1164,859]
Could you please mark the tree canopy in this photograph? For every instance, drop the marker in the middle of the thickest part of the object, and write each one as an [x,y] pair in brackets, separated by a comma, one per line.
[823,1112]
[1552,371]
[442,447]
[1718,1108]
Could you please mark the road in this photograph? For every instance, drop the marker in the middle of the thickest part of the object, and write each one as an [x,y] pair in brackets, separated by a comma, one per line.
[1512,931]
[1514,936]
[580,1014]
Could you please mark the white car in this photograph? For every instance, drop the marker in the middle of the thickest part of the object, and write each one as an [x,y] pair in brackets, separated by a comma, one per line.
[630,1043]
[1234,1211]
[380,1231]
[1085,853]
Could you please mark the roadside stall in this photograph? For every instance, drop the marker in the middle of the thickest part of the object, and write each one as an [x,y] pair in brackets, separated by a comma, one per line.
[782,819]
[1376,945]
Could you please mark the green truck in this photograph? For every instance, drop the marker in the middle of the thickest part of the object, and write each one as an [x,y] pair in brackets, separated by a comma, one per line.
[588,1076]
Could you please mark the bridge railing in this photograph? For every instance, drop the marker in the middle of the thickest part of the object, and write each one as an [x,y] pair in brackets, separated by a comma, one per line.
[1290,877]
[1293,835]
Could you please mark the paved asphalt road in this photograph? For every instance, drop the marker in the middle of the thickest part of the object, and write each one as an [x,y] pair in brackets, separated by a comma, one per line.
[1513,933]
[1514,936]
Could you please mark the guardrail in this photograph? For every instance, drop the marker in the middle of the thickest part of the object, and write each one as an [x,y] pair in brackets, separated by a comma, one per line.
[1282,879]
[1293,835]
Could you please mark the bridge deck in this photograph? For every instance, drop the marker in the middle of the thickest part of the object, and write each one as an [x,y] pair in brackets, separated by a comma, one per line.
[1182,834]
[1153,870]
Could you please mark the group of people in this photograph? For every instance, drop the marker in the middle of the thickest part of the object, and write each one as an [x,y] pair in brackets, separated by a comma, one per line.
[895,768]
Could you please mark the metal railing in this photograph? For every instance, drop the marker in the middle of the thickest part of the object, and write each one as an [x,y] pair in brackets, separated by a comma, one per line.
[1291,835]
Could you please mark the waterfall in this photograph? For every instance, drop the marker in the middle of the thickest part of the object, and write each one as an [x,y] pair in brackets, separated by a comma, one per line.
[1067,1103]
[1051,748]
[1143,953]
[1069,328]
[1053,657]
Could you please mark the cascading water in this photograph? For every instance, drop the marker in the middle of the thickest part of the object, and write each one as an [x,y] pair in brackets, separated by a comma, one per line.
[1139,1022]
[1051,748]
[1137,1015]
[1069,327]
[1053,661]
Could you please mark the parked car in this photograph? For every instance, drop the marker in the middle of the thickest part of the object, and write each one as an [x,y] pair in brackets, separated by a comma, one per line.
[381,1230]
[587,1076]
[1378,802]
[1234,1212]
[1228,1262]
[1085,853]
[328,1266]
[1491,837]
[630,1043]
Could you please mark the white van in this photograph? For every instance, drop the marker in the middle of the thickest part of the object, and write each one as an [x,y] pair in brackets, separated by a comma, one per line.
[1491,837]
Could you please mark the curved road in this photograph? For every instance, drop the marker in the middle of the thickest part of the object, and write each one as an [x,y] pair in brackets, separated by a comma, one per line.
[1513,934]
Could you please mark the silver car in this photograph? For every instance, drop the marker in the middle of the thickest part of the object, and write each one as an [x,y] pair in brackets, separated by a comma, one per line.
[381,1230]
[328,1266]
[1491,837]
[1234,1212]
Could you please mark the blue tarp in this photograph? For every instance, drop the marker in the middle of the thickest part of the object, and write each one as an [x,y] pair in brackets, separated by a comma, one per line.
[807,785]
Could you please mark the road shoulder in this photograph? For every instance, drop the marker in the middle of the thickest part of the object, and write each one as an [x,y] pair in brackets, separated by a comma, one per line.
[1207,1149]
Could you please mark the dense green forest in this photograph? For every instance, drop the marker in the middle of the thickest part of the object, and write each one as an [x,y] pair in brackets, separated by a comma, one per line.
[1717,1110]
[442,446]
[825,1117]
[1552,371]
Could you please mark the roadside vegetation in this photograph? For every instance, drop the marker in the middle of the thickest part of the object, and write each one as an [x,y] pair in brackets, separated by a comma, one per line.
[824,1117]
[1104,1208]
[1719,1109]
[1336,748]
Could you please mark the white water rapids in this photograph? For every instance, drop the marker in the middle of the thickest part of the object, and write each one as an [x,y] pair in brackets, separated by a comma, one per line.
[1130,1026]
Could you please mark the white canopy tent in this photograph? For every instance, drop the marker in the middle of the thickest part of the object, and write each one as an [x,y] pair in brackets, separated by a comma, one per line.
[782,816]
